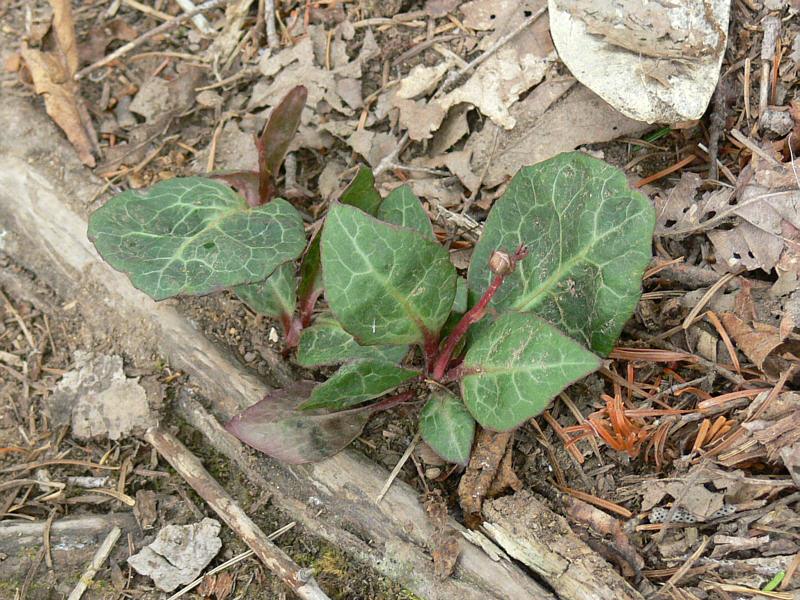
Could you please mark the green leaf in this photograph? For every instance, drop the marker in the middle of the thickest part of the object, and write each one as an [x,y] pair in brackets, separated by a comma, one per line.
[193,236]
[358,382]
[516,366]
[310,286]
[326,343]
[447,427]
[402,207]
[361,192]
[588,236]
[384,284]
[278,428]
[462,295]
[275,296]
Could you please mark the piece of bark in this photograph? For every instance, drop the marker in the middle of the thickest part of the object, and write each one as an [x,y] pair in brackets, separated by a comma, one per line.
[73,542]
[542,540]
[48,238]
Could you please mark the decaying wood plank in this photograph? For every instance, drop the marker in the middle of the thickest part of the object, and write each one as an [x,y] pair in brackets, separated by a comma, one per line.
[73,541]
[334,499]
[542,540]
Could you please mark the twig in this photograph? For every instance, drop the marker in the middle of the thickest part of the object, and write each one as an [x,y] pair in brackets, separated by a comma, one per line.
[97,561]
[164,27]
[453,78]
[753,147]
[389,160]
[269,17]
[772,28]
[690,318]
[188,466]
[681,572]
[199,20]
[396,470]
[148,10]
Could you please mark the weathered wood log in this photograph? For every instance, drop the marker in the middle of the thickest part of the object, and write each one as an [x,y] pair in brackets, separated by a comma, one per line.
[73,542]
[543,541]
[40,231]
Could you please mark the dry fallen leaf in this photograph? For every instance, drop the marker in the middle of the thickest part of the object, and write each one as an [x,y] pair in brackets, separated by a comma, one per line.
[488,474]
[555,117]
[52,74]
[446,549]
[761,343]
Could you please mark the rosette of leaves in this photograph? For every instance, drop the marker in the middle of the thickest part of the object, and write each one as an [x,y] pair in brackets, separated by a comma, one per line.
[554,277]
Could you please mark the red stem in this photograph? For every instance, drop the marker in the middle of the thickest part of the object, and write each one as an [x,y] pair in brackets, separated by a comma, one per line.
[392,401]
[472,316]
[291,329]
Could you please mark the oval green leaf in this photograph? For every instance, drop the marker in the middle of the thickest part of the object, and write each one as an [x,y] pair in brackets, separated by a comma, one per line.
[275,297]
[516,366]
[361,192]
[401,207]
[193,236]
[326,343]
[447,427]
[384,284]
[358,382]
[588,236]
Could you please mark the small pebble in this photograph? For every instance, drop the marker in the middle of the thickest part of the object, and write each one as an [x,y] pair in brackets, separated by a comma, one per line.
[249,356]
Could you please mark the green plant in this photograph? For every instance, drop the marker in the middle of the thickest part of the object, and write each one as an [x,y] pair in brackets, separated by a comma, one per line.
[553,279]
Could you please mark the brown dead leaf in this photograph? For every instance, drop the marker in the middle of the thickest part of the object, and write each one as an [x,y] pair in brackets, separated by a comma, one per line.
[761,343]
[777,432]
[446,549]
[606,526]
[100,36]
[61,100]
[555,117]
[489,473]
[52,74]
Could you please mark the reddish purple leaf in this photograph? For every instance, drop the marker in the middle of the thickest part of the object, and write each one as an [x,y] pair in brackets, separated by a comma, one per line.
[275,426]
[244,182]
[278,134]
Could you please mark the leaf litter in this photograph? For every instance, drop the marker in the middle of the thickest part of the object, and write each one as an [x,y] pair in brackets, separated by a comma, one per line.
[459,148]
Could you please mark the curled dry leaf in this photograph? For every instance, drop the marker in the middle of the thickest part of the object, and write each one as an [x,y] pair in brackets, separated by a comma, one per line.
[555,117]
[52,74]
[761,343]
[445,539]
[655,62]
[489,473]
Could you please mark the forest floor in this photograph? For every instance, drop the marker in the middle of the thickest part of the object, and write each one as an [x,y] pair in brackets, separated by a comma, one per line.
[685,436]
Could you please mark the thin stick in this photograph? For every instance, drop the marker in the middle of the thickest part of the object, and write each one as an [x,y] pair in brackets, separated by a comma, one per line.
[269,17]
[453,78]
[188,466]
[97,561]
[148,10]
[164,27]
[690,318]
[396,470]
[199,20]
[753,147]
